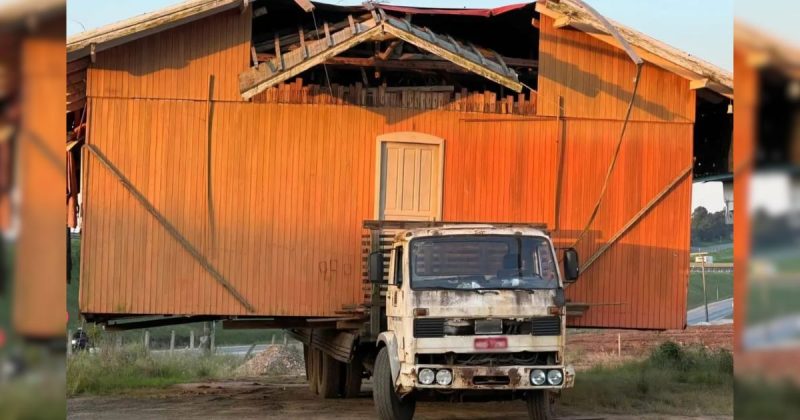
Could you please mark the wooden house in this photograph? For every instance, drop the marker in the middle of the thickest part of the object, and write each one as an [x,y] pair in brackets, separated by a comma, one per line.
[233,149]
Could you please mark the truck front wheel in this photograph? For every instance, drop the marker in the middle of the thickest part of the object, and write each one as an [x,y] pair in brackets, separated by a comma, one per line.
[387,403]
[539,407]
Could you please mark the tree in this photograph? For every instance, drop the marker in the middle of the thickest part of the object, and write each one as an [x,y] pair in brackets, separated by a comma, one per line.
[709,227]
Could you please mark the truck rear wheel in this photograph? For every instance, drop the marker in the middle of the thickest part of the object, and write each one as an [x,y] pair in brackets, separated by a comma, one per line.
[352,375]
[539,407]
[329,377]
[312,369]
[387,403]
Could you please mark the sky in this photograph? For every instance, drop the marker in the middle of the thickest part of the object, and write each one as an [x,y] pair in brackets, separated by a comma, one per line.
[700,27]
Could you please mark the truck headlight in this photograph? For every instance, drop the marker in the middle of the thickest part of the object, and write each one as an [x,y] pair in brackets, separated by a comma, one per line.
[554,377]
[426,376]
[538,377]
[444,377]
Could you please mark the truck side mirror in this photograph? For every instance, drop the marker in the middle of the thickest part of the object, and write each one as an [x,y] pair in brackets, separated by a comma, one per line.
[376,267]
[571,265]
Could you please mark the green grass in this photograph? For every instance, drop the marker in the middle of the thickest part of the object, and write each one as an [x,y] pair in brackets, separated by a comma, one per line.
[116,371]
[768,301]
[673,380]
[757,400]
[713,280]
[723,256]
[23,400]
[160,336]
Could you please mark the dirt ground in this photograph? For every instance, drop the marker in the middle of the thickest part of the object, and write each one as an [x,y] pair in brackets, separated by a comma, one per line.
[288,397]
[281,398]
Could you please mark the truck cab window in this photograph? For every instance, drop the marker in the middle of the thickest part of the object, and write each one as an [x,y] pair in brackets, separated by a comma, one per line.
[398,266]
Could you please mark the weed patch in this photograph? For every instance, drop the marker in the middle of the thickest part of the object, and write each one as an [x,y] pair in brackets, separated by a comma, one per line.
[673,380]
[112,371]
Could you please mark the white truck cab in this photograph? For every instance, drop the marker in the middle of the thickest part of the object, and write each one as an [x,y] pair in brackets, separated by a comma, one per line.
[472,308]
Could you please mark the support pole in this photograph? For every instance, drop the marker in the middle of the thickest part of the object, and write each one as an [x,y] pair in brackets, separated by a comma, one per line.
[172,341]
[703,273]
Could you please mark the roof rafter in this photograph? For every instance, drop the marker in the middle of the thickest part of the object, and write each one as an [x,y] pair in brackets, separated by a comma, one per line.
[291,63]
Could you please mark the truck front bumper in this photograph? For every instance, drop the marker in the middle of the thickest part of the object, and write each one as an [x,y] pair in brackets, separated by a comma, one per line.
[484,377]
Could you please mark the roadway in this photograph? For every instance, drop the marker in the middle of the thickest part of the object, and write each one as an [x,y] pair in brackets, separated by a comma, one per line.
[717,311]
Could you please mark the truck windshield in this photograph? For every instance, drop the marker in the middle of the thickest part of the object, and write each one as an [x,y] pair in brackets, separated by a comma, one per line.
[475,262]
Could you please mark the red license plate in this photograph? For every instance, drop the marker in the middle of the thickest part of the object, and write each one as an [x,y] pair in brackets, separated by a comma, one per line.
[491,343]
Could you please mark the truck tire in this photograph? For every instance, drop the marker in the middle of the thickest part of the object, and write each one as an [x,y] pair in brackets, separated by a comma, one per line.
[329,375]
[305,360]
[352,375]
[539,407]
[312,364]
[388,404]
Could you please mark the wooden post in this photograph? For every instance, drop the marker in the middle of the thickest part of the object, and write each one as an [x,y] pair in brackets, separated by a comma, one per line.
[69,341]
[213,345]
[328,34]
[249,352]
[619,345]
[147,340]
[191,339]
[206,335]
[285,339]
[172,341]
[302,36]
[278,55]
[272,342]
[119,341]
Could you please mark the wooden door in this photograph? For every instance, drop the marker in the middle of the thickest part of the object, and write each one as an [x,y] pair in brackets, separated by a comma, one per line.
[410,181]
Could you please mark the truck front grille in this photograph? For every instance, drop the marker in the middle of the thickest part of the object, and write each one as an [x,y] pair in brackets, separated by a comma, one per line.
[523,358]
[546,326]
[428,327]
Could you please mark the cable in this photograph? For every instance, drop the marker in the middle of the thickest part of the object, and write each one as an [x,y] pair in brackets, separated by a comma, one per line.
[325,67]
[614,158]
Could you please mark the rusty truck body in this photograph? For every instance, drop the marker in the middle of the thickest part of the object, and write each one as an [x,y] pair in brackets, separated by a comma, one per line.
[470,309]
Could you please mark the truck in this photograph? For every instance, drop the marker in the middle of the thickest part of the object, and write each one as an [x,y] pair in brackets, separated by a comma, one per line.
[463,311]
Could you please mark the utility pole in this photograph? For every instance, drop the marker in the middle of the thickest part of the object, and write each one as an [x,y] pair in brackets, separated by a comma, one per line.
[703,273]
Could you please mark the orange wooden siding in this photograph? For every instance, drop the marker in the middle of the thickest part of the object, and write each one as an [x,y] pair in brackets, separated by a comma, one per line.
[292,183]
[595,80]
[641,281]
[39,295]
[177,63]
[291,186]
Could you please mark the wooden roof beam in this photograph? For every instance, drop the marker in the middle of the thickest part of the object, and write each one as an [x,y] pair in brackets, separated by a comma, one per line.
[649,49]
[306,5]
[255,80]
[291,63]
[486,68]
[562,22]
[410,62]
[699,84]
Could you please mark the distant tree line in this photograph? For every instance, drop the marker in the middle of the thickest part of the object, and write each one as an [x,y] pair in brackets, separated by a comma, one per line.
[710,227]
[772,231]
